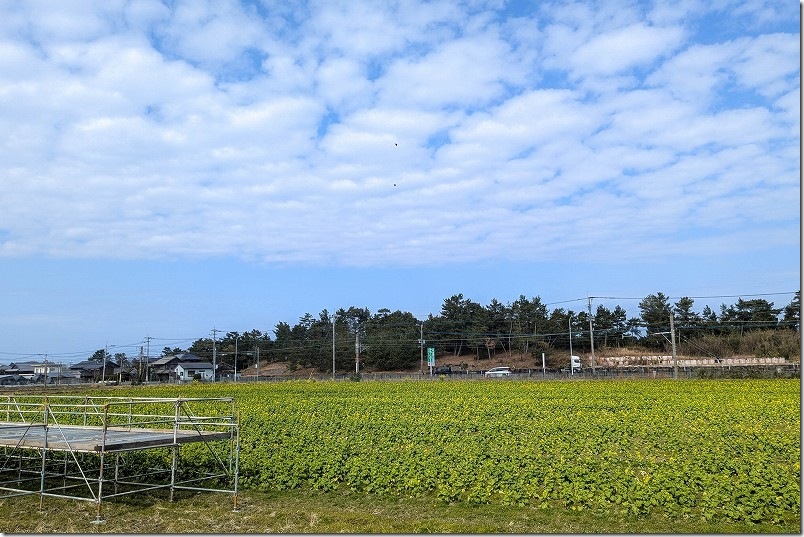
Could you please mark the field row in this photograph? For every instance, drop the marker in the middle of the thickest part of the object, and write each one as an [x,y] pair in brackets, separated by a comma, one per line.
[716,449]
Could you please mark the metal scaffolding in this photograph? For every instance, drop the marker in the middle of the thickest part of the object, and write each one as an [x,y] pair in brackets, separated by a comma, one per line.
[97,448]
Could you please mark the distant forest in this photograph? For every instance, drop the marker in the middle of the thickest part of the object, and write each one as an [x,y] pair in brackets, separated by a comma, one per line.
[393,340]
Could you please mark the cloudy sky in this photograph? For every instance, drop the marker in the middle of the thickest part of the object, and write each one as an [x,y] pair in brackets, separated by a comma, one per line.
[170,167]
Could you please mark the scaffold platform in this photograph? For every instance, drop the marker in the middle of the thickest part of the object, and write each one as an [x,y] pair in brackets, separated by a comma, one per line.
[91,439]
[96,448]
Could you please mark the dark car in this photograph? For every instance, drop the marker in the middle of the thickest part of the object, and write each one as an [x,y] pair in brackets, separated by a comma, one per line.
[443,370]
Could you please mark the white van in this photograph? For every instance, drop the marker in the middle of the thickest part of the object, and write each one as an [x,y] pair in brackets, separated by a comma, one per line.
[503,371]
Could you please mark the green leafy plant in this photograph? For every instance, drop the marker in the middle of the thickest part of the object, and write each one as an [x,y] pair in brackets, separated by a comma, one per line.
[714,449]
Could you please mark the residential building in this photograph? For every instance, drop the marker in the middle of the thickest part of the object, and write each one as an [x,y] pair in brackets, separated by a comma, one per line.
[185,371]
[177,367]
[93,371]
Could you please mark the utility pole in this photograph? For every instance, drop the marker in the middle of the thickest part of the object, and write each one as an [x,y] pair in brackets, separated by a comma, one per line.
[214,353]
[105,353]
[421,348]
[591,336]
[148,359]
[673,343]
[139,374]
[569,322]
[333,346]
[357,349]
[257,352]
[235,361]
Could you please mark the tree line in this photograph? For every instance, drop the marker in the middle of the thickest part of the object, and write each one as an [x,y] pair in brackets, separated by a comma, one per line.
[397,340]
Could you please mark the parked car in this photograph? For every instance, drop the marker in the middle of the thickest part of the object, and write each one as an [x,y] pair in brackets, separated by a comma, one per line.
[443,370]
[503,371]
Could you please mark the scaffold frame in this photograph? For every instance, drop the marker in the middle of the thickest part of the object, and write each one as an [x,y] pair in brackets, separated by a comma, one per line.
[61,446]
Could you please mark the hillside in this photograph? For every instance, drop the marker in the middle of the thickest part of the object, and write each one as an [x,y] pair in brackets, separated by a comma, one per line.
[471,363]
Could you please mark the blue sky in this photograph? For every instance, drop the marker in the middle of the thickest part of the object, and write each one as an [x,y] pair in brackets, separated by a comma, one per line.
[173,167]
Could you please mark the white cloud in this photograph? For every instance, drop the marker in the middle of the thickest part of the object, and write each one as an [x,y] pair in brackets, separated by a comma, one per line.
[789,106]
[140,15]
[364,133]
[44,21]
[210,31]
[633,46]
[768,64]
[760,12]
[695,74]
[356,29]
[343,84]
[451,75]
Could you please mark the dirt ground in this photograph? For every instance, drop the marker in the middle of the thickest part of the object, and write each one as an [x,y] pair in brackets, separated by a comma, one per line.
[469,362]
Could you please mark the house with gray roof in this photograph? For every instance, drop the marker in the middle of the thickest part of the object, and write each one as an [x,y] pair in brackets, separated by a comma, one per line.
[193,371]
[93,371]
[177,367]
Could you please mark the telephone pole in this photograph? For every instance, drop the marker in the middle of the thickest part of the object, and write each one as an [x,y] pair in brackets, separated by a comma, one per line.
[214,353]
[257,352]
[569,323]
[673,343]
[333,347]
[148,359]
[591,336]
[235,360]
[105,353]
[421,348]
[357,350]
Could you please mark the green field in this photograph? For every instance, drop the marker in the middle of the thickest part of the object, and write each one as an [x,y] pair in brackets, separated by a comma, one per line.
[720,454]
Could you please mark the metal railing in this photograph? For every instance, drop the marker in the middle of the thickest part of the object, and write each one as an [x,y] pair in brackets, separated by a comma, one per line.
[60,445]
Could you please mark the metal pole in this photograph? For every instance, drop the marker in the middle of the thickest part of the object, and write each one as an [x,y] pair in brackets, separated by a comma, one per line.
[175,450]
[235,361]
[116,470]
[333,347]
[214,354]
[357,349]
[44,454]
[147,359]
[569,321]
[237,460]
[591,336]
[673,342]
[421,348]
[98,517]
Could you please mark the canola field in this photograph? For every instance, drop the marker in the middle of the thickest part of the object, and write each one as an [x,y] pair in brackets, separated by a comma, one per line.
[721,450]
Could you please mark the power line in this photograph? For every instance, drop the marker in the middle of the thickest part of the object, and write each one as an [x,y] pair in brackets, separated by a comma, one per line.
[693,297]
[415,323]
[566,301]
